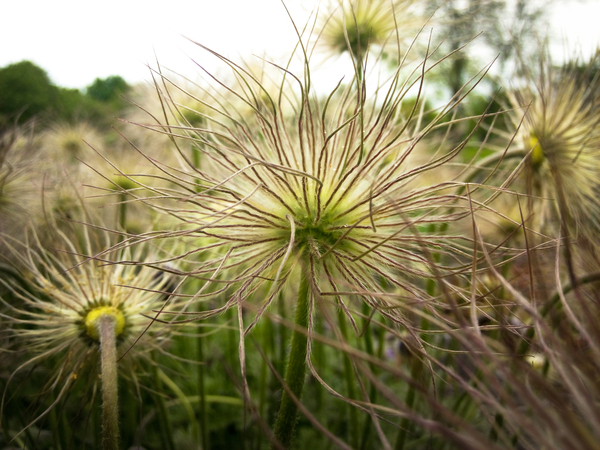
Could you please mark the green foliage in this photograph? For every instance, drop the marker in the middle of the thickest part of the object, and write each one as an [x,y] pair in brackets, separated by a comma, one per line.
[509,30]
[72,104]
[25,91]
[108,90]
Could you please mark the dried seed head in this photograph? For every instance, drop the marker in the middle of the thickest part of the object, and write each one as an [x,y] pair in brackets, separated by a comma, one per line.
[290,183]
[64,293]
[561,129]
[355,26]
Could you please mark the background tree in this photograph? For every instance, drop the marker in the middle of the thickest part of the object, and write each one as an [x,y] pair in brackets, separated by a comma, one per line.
[25,91]
[507,29]
[108,90]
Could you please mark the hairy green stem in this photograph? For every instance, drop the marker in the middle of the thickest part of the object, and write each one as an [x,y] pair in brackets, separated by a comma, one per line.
[163,416]
[285,423]
[281,310]
[266,332]
[551,304]
[56,431]
[202,416]
[350,381]
[110,396]
[122,211]
[369,348]
[416,371]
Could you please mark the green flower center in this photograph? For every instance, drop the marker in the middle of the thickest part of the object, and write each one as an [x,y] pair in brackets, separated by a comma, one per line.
[319,235]
[358,37]
[316,232]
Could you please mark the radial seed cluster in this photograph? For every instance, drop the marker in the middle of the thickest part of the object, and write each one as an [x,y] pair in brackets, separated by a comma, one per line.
[280,185]
[354,26]
[561,129]
[65,292]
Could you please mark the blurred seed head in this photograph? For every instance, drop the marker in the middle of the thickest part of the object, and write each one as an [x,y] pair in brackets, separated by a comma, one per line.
[21,179]
[355,26]
[66,142]
[561,130]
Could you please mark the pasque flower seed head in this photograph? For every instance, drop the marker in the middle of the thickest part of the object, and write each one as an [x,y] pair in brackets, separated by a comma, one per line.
[55,309]
[561,129]
[273,182]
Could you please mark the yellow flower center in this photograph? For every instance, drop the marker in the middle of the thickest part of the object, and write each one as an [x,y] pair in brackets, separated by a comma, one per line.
[91,320]
[537,154]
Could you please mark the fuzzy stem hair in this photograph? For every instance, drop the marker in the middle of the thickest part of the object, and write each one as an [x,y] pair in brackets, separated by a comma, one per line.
[110,397]
[296,369]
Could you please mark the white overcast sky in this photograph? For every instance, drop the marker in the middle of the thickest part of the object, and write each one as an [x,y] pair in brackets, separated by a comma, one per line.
[76,41]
